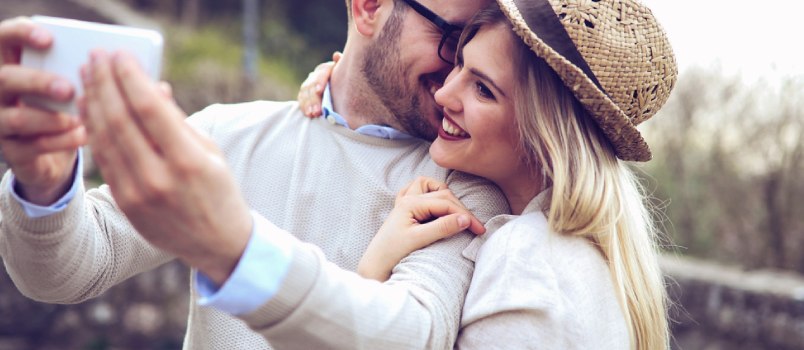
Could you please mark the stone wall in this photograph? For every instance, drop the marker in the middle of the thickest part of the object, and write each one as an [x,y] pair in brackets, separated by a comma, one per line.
[719,307]
[716,308]
[148,311]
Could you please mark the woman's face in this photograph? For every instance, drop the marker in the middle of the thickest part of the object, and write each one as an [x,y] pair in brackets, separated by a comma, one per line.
[479,133]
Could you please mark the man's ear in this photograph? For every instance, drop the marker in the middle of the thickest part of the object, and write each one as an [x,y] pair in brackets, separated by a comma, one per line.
[367,15]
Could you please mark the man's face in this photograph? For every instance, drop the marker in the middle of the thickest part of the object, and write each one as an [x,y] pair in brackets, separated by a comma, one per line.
[403,67]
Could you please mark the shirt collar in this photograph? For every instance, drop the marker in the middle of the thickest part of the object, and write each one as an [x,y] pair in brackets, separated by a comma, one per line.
[381,131]
[535,205]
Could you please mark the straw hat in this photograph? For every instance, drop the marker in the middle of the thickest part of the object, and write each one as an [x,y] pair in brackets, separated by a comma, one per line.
[613,56]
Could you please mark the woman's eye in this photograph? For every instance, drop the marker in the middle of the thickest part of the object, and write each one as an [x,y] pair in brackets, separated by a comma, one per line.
[484,91]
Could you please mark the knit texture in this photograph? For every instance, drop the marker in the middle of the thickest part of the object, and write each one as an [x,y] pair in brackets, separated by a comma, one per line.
[317,183]
[535,289]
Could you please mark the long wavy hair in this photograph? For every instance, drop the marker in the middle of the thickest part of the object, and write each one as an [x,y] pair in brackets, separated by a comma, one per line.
[591,194]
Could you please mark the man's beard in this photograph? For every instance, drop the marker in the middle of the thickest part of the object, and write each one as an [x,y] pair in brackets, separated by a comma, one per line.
[388,79]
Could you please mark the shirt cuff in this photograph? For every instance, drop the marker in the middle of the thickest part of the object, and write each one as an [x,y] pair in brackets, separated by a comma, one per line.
[257,276]
[34,211]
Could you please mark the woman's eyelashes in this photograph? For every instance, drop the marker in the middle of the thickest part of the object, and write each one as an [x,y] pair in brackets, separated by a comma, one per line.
[483,91]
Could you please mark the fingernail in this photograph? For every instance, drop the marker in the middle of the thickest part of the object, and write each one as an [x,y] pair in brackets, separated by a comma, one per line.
[463,221]
[39,36]
[84,74]
[121,57]
[319,87]
[96,57]
[60,89]
[117,57]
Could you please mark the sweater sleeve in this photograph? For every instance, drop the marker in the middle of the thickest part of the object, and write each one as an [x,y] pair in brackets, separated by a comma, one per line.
[322,306]
[75,254]
[78,253]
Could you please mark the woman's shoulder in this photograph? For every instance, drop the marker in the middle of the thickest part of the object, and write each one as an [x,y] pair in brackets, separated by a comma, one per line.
[556,281]
[510,273]
[528,239]
[514,238]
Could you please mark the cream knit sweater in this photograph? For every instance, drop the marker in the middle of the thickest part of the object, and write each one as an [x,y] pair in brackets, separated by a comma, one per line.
[322,184]
[536,289]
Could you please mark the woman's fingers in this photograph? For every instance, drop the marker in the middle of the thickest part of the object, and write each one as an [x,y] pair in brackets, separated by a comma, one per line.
[441,228]
[424,209]
[422,185]
[427,198]
[311,92]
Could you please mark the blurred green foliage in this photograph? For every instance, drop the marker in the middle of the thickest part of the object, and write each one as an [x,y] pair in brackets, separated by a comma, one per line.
[294,34]
[728,159]
[204,46]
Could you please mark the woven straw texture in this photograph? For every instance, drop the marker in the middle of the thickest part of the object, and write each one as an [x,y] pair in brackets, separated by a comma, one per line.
[628,52]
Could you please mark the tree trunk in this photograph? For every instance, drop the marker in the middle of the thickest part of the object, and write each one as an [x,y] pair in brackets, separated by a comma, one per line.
[190,13]
[776,253]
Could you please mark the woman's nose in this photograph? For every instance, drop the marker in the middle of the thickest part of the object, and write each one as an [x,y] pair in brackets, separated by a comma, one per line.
[447,96]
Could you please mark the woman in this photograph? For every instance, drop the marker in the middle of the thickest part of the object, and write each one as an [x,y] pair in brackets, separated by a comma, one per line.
[544,111]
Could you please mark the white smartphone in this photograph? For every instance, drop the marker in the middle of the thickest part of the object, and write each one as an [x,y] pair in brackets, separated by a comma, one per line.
[72,42]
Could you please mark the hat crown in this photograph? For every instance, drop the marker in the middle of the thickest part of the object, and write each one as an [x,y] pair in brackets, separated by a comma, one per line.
[626,49]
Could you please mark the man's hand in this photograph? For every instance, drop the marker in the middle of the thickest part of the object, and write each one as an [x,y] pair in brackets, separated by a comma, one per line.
[172,183]
[40,146]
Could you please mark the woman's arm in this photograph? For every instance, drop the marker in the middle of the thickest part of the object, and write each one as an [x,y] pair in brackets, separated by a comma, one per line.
[424,212]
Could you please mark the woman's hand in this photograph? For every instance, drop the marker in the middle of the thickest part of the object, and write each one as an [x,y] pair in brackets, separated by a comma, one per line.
[312,89]
[424,212]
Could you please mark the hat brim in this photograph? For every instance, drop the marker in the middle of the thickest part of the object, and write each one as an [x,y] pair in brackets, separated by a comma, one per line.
[627,142]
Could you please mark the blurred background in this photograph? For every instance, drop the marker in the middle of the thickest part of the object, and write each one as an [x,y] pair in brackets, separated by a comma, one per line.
[726,174]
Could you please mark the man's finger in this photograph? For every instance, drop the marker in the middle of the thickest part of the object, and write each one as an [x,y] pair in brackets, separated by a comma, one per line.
[129,143]
[106,124]
[158,117]
[20,150]
[18,32]
[26,121]
[17,80]
[166,89]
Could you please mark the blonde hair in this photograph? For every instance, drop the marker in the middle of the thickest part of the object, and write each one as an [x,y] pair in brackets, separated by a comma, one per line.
[592,193]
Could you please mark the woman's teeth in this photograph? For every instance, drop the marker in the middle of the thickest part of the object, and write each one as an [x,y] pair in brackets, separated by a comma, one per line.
[452,130]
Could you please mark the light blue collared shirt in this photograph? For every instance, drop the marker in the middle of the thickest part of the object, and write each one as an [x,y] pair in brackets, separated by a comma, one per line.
[242,293]
[381,131]
[37,211]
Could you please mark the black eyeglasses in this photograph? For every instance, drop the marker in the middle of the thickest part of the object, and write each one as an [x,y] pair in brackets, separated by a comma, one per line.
[450,32]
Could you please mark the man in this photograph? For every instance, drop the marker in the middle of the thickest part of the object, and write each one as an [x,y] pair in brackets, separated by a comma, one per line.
[329,182]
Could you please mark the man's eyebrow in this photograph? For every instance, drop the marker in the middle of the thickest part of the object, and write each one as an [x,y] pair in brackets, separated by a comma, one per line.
[486,78]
